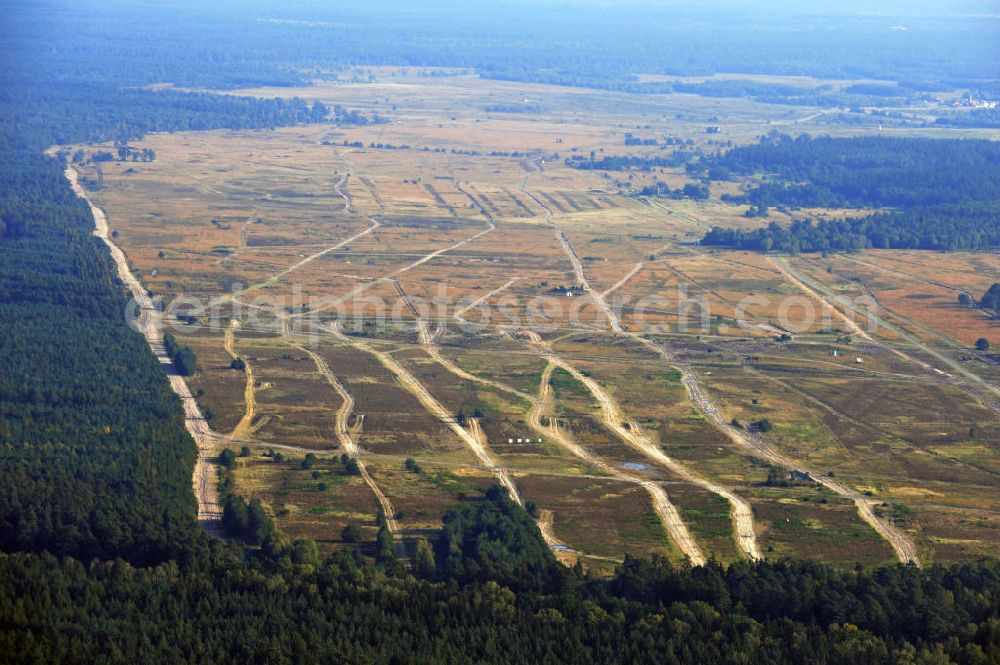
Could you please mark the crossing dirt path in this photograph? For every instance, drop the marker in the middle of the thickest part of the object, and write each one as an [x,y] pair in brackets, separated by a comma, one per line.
[904,548]
[632,434]
[984,391]
[434,407]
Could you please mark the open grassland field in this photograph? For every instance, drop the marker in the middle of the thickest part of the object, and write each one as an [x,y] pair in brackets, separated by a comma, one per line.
[443,288]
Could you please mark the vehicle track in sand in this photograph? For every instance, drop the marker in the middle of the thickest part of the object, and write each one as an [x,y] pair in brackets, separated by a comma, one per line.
[904,548]
[344,435]
[458,314]
[358,290]
[148,322]
[676,530]
[563,552]
[244,428]
[623,281]
[876,431]
[428,343]
[412,385]
[740,511]
[281,274]
[985,392]
[632,434]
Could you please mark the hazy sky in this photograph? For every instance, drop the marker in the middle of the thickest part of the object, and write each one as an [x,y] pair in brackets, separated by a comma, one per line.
[790,7]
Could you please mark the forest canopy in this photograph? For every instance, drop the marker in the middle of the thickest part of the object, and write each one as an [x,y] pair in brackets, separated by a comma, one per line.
[941,194]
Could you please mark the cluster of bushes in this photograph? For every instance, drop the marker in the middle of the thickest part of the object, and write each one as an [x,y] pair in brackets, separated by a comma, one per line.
[689,191]
[626,162]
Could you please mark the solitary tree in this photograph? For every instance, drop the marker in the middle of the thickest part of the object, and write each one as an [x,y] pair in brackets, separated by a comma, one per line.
[982,344]
[235,517]
[351,533]
[777,477]
[385,547]
[227,458]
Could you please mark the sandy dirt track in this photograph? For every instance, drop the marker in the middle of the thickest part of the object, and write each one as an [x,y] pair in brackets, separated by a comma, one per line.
[742,515]
[344,436]
[435,408]
[243,428]
[204,480]
[671,519]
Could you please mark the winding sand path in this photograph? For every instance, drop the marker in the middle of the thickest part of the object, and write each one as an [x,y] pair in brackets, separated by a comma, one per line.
[632,434]
[244,428]
[344,436]
[676,530]
[904,548]
[742,514]
[822,294]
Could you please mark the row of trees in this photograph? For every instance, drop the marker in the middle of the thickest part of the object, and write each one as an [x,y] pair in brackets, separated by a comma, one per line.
[688,191]
[184,359]
[626,162]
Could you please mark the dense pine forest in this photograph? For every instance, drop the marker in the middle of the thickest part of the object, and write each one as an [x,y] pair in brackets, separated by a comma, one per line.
[869,171]
[497,595]
[102,559]
[936,194]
